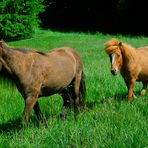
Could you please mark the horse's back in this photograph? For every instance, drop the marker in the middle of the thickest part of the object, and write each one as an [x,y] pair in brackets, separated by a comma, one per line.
[68,52]
[143,51]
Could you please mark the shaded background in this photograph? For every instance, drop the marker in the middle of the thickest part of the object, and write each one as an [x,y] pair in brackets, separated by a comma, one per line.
[20,18]
[106,16]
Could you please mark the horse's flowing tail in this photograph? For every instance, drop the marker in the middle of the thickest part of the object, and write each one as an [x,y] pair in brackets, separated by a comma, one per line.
[82,88]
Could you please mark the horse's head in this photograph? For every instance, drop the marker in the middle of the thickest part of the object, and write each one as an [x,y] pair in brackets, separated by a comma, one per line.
[112,48]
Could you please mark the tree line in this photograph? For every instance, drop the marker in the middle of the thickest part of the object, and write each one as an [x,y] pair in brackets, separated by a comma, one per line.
[19,18]
[107,16]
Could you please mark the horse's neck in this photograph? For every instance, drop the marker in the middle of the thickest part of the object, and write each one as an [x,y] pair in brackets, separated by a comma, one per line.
[129,53]
[8,53]
[5,65]
[8,58]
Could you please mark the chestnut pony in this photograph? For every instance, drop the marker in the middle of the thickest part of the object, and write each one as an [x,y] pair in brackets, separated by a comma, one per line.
[132,63]
[38,74]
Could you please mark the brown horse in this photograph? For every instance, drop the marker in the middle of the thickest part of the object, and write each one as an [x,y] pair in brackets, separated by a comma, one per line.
[38,74]
[132,63]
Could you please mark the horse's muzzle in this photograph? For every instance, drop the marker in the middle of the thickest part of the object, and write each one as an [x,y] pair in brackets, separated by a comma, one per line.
[114,71]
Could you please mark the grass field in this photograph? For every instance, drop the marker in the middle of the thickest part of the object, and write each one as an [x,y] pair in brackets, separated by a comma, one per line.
[108,120]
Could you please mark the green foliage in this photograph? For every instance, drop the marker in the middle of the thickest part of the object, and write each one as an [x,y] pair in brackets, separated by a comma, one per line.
[19,18]
[122,6]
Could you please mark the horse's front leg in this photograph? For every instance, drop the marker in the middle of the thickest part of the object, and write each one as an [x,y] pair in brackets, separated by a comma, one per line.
[143,91]
[30,101]
[130,89]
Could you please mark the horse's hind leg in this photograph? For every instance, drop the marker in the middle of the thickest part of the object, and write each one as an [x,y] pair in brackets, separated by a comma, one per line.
[76,95]
[66,103]
[38,113]
[143,91]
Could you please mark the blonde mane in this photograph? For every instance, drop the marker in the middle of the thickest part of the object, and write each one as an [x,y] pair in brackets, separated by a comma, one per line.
[128,51]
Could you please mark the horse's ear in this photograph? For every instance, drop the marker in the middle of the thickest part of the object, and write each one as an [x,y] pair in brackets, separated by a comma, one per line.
[120,44]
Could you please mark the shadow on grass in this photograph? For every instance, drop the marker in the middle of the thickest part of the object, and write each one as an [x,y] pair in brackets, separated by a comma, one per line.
[123,97]
[11,125]
[120,97]
[16,124]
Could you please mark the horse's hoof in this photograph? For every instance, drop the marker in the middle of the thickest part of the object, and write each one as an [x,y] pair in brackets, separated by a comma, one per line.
[134,96]
[143,92]
[130,99]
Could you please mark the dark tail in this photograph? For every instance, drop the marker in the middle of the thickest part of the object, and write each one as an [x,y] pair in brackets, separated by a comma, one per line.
[83,89]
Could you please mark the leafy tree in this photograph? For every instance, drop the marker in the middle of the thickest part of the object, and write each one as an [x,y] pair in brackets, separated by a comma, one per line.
[19,18]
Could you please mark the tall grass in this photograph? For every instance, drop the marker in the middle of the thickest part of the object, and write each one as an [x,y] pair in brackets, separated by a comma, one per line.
[108,121]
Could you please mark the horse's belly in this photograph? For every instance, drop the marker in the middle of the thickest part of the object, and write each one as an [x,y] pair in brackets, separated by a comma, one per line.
[142,77]
[56,83]
[47,91]
[53,89]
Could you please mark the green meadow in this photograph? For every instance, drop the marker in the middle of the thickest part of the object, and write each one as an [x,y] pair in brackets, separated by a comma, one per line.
[107,121]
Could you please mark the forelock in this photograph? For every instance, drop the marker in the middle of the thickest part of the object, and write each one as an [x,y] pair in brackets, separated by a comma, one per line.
[111,46]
